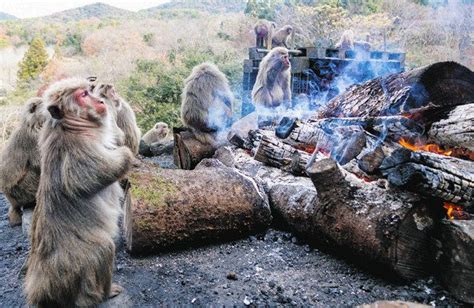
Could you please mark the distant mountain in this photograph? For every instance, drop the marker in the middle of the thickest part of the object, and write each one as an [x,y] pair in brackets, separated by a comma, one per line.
[213,6]
[5,16]
[97,10]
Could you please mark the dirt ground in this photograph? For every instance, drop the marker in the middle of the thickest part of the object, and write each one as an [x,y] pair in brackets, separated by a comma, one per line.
[273,269]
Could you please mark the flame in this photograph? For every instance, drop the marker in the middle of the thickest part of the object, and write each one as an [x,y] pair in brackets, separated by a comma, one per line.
[308,148]
[430,147]
[454,211]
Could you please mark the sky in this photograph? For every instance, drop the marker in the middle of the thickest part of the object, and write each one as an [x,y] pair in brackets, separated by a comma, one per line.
[35,8]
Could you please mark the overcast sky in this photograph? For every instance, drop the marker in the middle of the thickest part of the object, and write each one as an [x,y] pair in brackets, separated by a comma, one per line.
[35,8]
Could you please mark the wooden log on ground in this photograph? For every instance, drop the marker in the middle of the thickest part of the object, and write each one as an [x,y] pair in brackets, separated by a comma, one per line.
[422,92]
[457,130]
[433,175]
[176,208]
[384,227]
[455,258]
[188,151]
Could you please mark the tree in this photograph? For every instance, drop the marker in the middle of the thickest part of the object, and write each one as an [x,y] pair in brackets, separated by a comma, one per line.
[34,61]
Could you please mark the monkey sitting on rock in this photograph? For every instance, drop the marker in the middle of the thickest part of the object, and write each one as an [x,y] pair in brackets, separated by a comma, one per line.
[272,87]
[70,262]
[206,105]
[158,134]
[20,161]
[123,114]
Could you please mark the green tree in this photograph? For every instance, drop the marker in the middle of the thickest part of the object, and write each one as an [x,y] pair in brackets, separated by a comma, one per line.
[34,61]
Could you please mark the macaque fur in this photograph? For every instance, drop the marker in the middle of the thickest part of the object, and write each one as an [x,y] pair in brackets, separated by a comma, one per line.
[158,133]
[263,33]
[206,106]
[20,161]
[280,38]
[272,87]
[78,201]
[123,114]
[347,41]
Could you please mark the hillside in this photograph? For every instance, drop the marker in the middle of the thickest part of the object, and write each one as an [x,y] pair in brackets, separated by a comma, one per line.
[5,16]
[96,10]
[207,6]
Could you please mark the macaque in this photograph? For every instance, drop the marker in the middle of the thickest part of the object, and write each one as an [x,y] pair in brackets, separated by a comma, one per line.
[206,106]
[264,33]
[20,161]
[346,41]
[70,262]
[159,133]
[280,38]
[122,113]
[272,87]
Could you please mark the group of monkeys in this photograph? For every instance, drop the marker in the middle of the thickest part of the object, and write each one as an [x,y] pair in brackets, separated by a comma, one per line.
[70,150]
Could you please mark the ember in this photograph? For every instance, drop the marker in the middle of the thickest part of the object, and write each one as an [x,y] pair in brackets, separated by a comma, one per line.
[430,147]
[456,212]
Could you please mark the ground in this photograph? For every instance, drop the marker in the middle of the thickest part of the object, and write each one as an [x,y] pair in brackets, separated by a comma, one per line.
[267,269]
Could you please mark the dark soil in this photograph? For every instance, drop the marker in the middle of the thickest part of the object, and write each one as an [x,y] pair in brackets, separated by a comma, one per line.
[268,269]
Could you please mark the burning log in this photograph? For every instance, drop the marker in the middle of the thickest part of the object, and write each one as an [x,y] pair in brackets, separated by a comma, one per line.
[173,208]
[386,226]
[430,174]
[419,92]
[188,151]
[455,251]
[456,130]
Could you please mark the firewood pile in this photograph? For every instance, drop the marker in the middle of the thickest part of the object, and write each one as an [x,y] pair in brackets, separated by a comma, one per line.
[383,174]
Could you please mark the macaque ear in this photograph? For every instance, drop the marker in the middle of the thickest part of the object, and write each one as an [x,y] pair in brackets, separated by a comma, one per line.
[32,107]
[56,112]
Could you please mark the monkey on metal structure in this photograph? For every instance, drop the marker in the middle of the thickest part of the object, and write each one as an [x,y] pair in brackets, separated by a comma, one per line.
[20,161]
[280,38]
[346,41]
[123,114]
[272,87]
[159,133]
[206,106]
[264,33]
[70,262]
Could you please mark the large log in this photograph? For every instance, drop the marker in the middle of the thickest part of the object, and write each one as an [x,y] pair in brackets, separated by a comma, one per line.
[385,227]
[176,208]
[188,151]
[433,175]
[455,258]
[427,92]
[457,130]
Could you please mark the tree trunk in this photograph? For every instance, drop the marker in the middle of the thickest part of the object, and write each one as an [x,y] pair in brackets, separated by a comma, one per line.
[188,151]
[455,251]
[175,208]
[385,226]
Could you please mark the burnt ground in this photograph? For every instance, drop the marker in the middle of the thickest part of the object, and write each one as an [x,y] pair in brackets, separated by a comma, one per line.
[268,269]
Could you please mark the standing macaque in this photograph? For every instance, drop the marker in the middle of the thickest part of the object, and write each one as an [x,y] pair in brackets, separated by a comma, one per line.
[159,133]
[20,161]
[264,33]
[280,38]
[346,41]
[206,106]
[123,114]
[273,85]
[70,262]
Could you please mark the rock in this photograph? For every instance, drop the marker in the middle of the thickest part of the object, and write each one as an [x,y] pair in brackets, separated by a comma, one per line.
[393,304]
[225,155]
[144,149]
[247,301]
[231,276]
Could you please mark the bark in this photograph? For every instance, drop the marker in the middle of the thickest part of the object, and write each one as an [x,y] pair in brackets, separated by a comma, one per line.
[188,151]
[178,208]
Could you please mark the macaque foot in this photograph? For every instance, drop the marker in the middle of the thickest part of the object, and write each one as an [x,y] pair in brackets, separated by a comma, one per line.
[14,217]
[115,290]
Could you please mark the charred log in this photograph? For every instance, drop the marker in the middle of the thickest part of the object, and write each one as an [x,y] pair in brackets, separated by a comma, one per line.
[175,208]
[188,151]
[455,251]
[427,92]
[386,226]
[448,178]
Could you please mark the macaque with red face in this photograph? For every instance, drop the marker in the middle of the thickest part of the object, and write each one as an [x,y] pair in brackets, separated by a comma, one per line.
[272,87]
[78,201]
